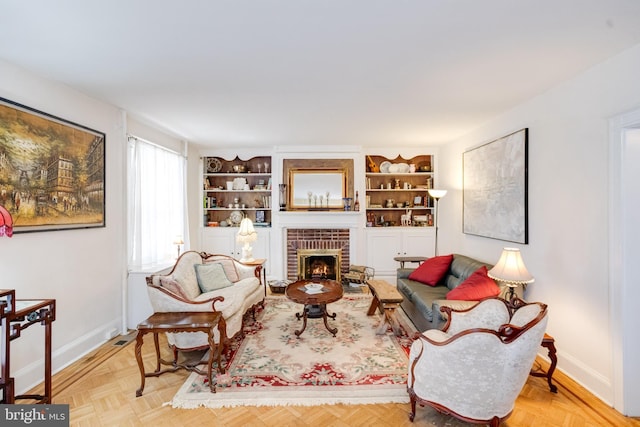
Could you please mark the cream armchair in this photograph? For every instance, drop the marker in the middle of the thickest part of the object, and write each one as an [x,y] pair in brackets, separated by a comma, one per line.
[475,367]
[180,291]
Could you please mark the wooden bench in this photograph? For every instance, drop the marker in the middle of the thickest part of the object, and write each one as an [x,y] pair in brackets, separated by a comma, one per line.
[386,298]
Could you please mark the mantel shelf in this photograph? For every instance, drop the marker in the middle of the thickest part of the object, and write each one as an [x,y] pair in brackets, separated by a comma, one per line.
[396,189]
[218,190]
[319,212]
[399,174]
[415,208]
[237,174]
[236,209]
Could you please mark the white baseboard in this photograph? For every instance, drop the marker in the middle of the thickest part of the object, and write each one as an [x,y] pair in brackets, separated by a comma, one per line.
[593,381]
[33,374]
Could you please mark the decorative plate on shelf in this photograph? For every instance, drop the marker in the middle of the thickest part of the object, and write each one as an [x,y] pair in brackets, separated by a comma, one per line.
[403,168]
[236,217]
[384,167]
[213,165]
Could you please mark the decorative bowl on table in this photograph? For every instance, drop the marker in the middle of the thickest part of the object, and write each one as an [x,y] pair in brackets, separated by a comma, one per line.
[313,286]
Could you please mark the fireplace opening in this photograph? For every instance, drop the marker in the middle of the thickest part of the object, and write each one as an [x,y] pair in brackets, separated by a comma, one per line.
[314,264]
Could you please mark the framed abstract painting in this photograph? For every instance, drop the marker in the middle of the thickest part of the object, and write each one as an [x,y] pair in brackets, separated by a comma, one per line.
[495,189]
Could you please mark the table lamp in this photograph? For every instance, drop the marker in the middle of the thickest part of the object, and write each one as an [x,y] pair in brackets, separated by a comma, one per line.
[511,270]
[178,241]
[246,235]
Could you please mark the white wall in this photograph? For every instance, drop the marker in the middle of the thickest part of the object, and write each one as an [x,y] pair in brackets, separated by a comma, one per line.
[82,269]
[139,129]
[568,213]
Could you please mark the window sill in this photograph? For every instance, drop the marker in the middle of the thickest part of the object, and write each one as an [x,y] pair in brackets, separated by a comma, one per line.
[151,268]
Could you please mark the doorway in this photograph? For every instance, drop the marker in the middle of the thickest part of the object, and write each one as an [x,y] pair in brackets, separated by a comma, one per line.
[624,252]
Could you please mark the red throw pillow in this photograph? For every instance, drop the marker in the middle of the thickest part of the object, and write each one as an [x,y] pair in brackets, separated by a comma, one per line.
[477,286]
[432,270]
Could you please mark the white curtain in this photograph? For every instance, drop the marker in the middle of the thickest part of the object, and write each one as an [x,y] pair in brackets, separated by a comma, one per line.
[157,202]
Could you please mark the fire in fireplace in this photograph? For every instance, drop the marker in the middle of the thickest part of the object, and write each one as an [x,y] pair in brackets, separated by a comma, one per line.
[319,264]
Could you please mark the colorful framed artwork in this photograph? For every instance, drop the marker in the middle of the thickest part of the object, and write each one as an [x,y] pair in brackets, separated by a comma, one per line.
[52,171]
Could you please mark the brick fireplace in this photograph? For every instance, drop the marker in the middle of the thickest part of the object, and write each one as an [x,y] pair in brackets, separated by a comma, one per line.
[325,244]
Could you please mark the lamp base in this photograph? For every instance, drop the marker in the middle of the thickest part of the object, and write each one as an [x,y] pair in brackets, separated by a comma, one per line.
[512,292]
[247,254]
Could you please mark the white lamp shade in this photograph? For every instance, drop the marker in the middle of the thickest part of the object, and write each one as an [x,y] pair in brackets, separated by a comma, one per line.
[246,233]
[510,268]
[437,194]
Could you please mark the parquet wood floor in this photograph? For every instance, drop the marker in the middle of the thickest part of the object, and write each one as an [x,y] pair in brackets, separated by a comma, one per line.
[100,389]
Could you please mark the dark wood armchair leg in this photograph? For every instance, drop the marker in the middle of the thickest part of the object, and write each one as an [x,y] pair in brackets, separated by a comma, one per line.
[412,415]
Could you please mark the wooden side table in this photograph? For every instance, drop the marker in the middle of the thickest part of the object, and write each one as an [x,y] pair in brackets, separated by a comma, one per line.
[386,298]
[549,343]
[181,322]
[403,259]
[17,315]
[259,263]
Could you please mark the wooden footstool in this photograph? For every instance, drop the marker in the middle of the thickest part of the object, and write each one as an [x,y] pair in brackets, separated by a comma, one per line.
[386,298]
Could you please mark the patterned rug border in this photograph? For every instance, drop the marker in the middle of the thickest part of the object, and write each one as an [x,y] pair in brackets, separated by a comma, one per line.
[297,395]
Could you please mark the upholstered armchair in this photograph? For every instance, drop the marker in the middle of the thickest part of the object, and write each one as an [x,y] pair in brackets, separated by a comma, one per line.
[205,282]
[475,367]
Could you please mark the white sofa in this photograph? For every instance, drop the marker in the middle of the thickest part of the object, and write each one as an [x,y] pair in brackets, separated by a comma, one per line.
[178,291]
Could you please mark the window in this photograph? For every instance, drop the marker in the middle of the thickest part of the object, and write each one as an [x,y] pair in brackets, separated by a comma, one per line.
[157,200]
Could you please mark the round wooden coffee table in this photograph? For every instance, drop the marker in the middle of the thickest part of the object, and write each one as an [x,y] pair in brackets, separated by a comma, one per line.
[315,304]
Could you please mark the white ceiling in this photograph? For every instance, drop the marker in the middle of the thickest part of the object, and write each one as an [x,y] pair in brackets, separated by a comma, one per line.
[279,72]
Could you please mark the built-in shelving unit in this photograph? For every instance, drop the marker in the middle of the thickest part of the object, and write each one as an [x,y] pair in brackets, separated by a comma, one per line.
[396,186]
[237,188]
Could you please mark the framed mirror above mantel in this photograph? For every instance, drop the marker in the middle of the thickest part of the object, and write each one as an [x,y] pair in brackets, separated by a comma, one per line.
[317,189]
[317,184]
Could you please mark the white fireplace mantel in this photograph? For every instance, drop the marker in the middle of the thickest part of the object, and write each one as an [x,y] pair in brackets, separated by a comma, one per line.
[317,219]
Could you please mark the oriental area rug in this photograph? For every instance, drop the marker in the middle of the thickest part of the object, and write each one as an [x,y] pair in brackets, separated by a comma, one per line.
[270,366]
